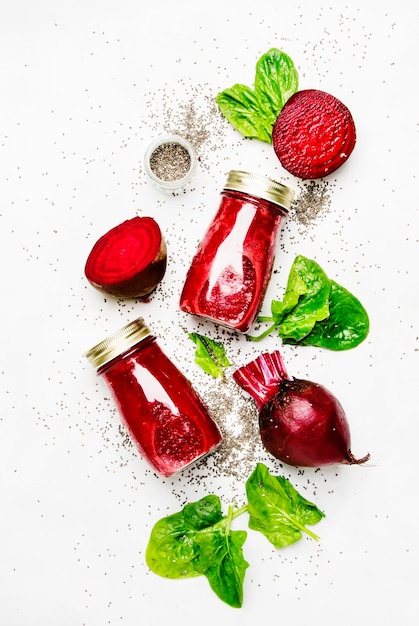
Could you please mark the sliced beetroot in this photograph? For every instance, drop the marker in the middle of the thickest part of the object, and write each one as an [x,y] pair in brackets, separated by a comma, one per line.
[314,134]
[129,261]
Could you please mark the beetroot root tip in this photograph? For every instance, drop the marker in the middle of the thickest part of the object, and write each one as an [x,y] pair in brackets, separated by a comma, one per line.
[351,460]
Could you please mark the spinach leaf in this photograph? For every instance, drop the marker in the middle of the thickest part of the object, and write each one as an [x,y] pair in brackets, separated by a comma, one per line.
[345,328]
[277,510]
[210,355]
[221,560]
[171,550]
[241,107]
[316,311]
[254,112]
[306,299]
[198,540]
[276,81]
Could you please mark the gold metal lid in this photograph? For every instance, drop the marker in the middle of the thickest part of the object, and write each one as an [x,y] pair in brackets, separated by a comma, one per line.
[119,342]
[260,186]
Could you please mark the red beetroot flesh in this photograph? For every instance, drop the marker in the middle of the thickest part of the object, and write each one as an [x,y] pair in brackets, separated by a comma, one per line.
[129,261]
[301,423]
[314,134]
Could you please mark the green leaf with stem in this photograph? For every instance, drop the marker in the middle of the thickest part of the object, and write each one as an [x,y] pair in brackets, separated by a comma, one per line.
[315,311]
[277,510]
[221,560]
[346,326]
[199,540]
[254,112]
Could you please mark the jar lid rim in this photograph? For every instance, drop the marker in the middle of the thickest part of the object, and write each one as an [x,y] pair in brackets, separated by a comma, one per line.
[117,343]
[260,186]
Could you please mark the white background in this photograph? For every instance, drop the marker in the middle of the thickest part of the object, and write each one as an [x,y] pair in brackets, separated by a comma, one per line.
[85,86]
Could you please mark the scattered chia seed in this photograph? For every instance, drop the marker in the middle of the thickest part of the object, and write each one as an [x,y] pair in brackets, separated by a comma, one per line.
[170,161]
[196,118]
[313,201]
[237,418]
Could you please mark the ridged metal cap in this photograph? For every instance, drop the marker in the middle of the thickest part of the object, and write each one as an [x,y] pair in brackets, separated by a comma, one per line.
[260,186]
[119,342]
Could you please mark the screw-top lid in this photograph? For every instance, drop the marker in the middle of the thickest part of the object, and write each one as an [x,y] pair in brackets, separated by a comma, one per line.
[260,186]
[119,342]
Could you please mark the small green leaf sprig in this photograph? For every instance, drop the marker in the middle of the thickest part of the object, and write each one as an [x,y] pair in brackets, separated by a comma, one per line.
[210,355]
[253,112]
[316,311]
[199,539]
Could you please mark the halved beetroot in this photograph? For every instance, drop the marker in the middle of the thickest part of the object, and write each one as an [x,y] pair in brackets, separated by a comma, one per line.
[129,261]
[314,134]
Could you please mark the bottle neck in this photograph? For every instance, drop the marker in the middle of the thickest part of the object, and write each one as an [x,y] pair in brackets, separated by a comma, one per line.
[126,354]
[256,200]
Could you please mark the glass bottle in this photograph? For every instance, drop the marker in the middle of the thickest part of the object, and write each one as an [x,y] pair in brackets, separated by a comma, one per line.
[165,417]
[229,274]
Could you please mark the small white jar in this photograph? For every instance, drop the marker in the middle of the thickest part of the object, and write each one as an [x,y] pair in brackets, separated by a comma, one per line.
[170,162]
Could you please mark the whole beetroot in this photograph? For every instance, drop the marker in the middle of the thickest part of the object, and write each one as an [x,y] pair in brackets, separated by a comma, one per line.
[301,423]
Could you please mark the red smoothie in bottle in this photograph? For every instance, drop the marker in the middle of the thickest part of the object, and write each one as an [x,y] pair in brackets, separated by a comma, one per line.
[229,273]
[164,415]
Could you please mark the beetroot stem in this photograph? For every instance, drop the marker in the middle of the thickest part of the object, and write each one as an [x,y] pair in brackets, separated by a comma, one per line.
[262,377]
